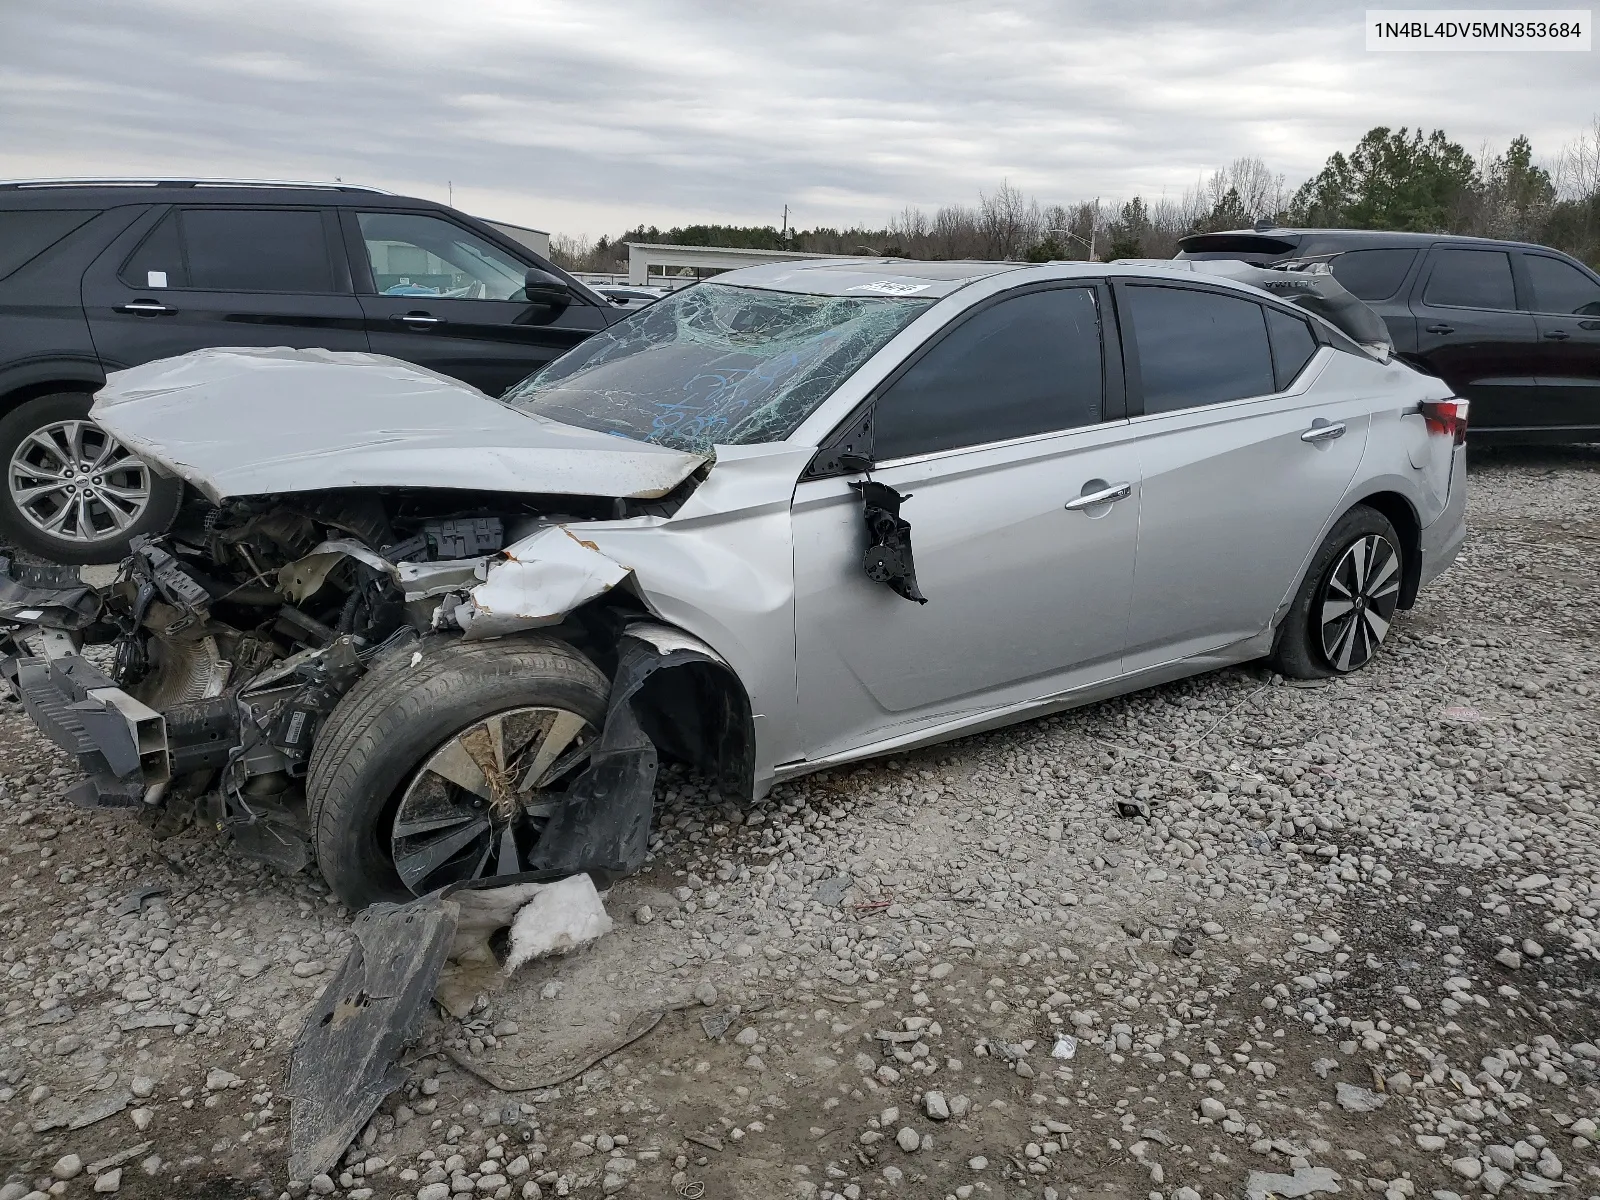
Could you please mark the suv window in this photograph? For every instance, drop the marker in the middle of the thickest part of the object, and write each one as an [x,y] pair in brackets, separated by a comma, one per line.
[1373,274]
[1293,345]
[1471,279]
[234,250]
[1198,347]
[27,233]
[1029,364]
[413,255]
[1558,287]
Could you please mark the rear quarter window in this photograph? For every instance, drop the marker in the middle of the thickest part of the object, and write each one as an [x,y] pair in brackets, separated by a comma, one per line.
[1373,274]
[27,233]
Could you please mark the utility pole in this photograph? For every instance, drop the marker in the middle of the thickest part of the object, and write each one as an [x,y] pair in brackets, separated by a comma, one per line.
[451,188]
[785,232]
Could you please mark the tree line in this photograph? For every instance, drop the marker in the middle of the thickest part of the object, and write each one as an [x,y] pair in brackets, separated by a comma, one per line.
[1400,179]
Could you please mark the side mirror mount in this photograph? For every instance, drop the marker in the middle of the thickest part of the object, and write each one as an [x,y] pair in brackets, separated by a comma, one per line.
[541,287]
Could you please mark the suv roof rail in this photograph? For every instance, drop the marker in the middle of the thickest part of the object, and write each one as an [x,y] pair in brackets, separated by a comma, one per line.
[145,181]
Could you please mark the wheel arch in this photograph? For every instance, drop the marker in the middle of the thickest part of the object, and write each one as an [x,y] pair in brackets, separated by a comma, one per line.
[697,709]
[1408,526]
[20,385]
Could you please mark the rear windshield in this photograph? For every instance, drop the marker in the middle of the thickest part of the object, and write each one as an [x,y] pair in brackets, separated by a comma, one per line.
[27,233]
[715,363]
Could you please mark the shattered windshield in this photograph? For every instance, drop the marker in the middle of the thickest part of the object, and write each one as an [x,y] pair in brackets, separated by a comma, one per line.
[715,363]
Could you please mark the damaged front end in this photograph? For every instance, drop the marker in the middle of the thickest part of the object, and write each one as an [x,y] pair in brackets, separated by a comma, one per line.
[196,684]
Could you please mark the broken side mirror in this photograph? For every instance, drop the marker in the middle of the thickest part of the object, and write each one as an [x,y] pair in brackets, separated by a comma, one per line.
[541,287]
[888,556]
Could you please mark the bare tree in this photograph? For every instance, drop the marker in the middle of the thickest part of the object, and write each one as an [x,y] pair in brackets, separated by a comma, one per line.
[1009,223]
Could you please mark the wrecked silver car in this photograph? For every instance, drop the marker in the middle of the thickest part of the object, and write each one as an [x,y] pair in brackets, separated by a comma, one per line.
[421,636]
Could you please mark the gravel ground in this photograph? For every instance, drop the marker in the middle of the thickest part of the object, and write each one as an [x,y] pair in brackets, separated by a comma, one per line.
[1225,936]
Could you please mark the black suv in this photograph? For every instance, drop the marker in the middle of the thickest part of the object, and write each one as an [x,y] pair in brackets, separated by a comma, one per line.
[97,275]
[1512,327]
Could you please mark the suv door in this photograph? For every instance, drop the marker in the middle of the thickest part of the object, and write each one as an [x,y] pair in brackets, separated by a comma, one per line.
[1243,457]
[1377,276]
[196,276]
[1471,334]
[992,435]
[1565,301]
[439,295]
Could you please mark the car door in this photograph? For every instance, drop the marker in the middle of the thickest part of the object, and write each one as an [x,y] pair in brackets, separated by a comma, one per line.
[993,434]
[187,277]
[1243,458]
[437,294]
[1471,334]
[1566,310]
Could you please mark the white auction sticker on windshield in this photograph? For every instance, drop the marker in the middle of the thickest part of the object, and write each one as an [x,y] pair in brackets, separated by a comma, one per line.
[890,287]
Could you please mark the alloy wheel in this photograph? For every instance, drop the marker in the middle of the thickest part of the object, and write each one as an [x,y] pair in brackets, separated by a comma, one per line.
[1358,602]
[75,482]
[479,803]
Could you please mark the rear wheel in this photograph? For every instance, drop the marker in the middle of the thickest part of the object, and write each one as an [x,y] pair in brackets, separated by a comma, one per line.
[1345,605]
[450,770]
[73,493]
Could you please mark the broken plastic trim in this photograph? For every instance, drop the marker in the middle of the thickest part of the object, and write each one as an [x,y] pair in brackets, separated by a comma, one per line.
[888,555]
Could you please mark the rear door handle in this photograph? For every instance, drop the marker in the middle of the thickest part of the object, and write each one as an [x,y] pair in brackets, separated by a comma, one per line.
[419,320]
[1440,328]
[1558,335]
[148,308]
[1105,495]
[1323,433]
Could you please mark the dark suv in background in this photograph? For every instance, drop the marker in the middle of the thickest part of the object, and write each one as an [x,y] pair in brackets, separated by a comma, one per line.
[1514,328]
[97,275]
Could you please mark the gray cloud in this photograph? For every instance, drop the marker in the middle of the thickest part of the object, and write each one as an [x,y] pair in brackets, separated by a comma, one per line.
[586,117]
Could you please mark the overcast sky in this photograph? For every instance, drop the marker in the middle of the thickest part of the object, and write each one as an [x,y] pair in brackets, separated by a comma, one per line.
[589,116]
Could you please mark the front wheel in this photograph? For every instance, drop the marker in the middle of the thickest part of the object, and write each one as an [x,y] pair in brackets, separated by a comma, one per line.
[450,769]
[1346,602]
[73,493]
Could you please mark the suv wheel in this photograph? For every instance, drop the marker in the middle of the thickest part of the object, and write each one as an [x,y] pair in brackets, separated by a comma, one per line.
[73,493]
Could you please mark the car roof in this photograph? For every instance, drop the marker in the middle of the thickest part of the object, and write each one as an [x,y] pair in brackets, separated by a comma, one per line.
[912,278]
[109,192]
[1367,237]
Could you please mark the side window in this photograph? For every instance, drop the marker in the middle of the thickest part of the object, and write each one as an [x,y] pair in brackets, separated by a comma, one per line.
[27,233]
[1559,287]
[235,250]
[1471,279]
[158,262]
[414,255]
[1198,347]
[1373,274]
[1293,345]
[1027,365]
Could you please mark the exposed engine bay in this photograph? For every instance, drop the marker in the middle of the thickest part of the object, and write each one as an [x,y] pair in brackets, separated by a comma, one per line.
[197,682]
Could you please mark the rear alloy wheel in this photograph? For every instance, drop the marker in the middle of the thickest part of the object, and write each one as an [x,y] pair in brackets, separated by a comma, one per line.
[480,801]
[1347,601]
[74,493]
[1357,602]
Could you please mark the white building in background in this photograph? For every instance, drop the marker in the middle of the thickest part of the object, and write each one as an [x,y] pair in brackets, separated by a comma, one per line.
[650,264]
[536,240]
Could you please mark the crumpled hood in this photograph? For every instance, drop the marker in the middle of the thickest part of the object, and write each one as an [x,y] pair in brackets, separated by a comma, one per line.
[249,421]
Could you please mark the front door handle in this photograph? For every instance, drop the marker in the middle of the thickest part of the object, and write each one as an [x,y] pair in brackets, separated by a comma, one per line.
[1105,495]
[1440,328]
[1323,433]
[417,320]
[1558,335]
[144,308]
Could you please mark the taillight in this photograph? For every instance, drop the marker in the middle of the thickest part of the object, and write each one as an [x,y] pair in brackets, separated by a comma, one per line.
[1448,417]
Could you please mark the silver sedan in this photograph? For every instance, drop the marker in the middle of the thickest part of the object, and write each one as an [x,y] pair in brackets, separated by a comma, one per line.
[794,517]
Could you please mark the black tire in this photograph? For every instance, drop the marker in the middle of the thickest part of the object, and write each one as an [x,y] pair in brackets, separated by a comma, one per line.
[101,540]
[391,722]
[1302,650]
